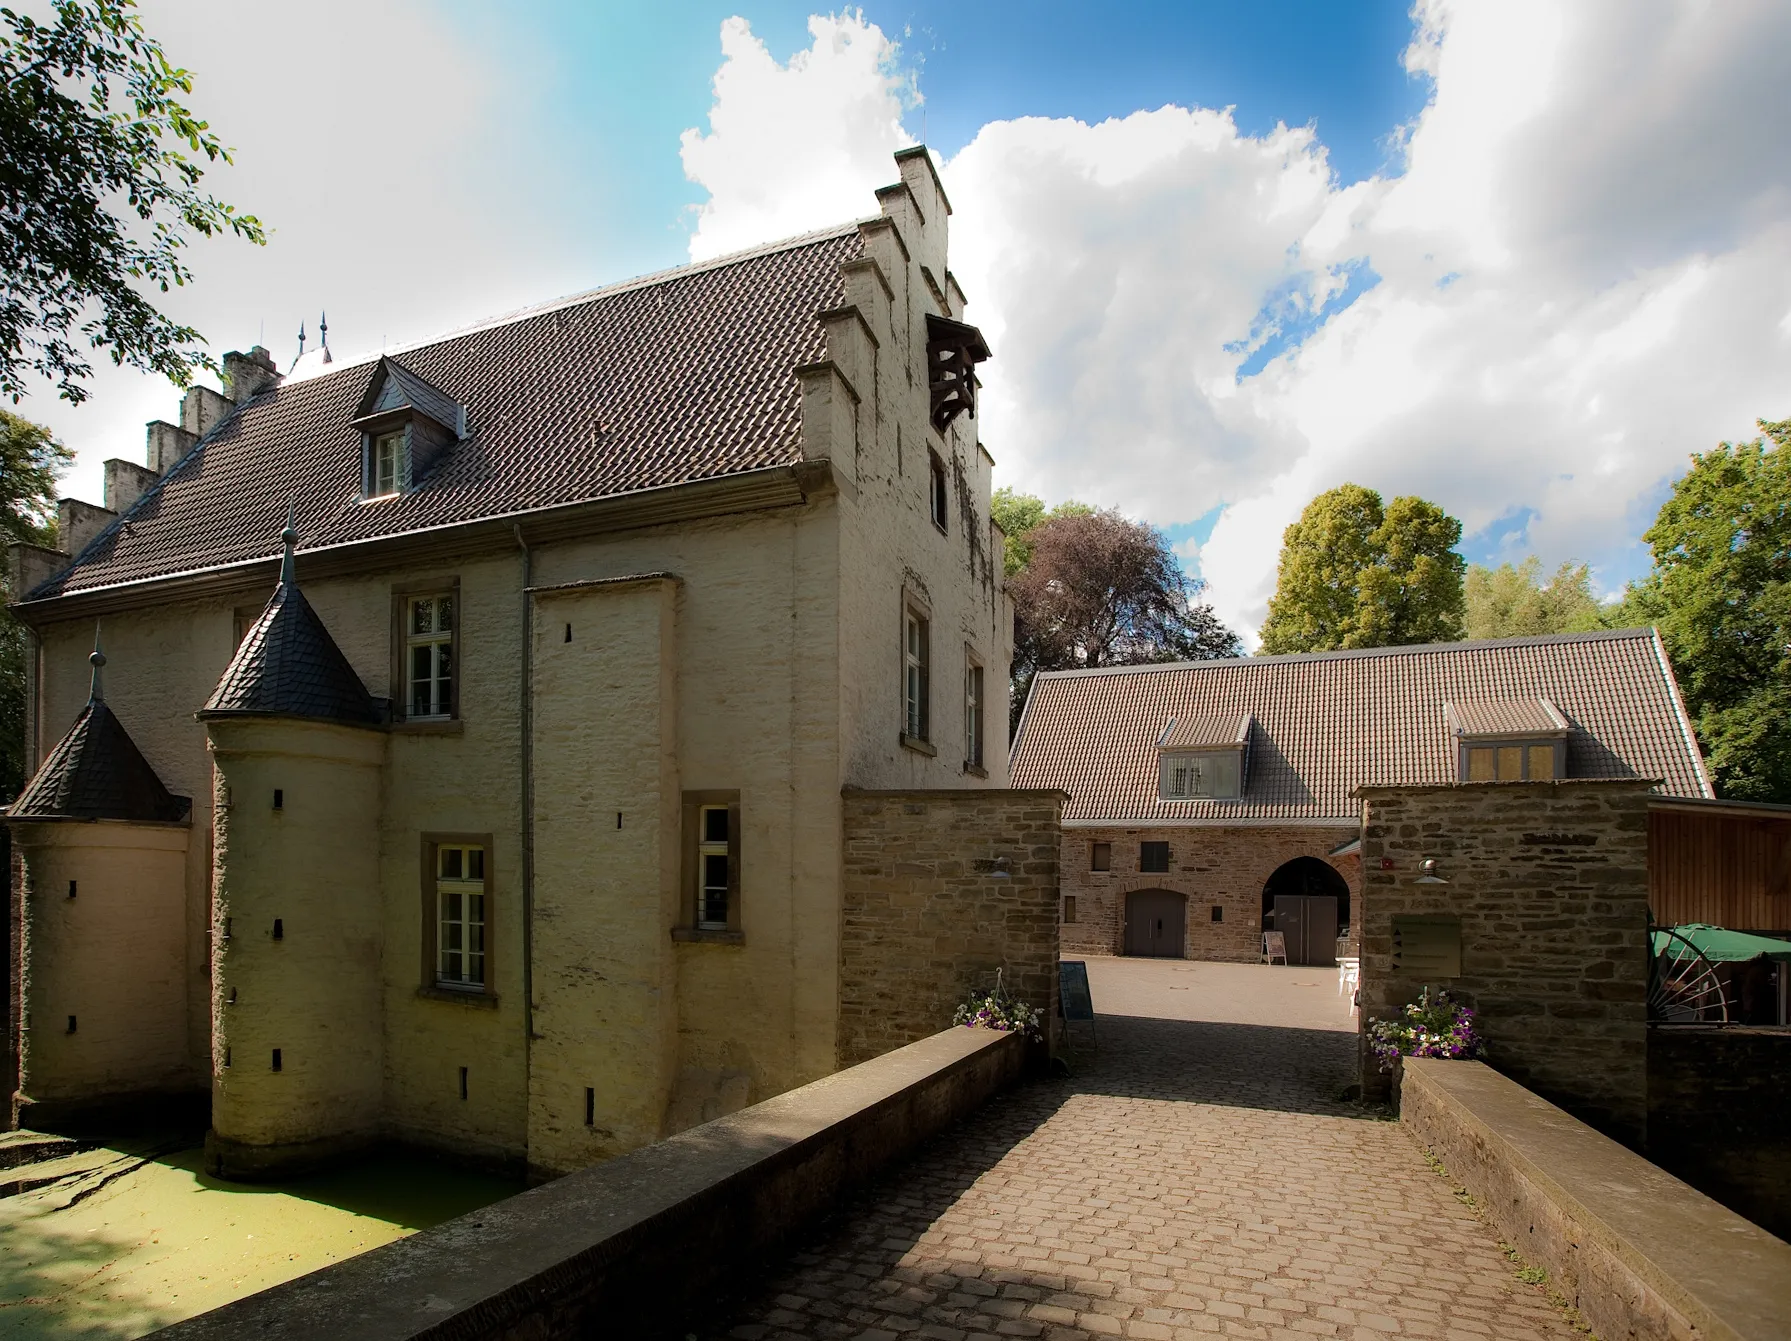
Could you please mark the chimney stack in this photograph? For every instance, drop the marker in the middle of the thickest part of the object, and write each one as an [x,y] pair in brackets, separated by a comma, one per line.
[247,375]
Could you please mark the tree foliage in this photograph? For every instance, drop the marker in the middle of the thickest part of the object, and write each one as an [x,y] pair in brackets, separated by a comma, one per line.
[1514,602]
[30,461]
[1102,590]
[1018,515]
[1357,573]
[100,163]
[1720,594]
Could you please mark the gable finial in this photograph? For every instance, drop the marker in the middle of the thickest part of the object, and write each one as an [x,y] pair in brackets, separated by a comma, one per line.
[301,352]
[323,331]
[98,662]
[289,538]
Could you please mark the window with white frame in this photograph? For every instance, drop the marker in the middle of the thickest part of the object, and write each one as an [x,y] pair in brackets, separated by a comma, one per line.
[715,866]
[1206,775]
[386,464]
[915,637]
[429,656]
[460,916]
[973,714]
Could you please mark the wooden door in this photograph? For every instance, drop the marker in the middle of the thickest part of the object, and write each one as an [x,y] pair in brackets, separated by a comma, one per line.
[1156,924]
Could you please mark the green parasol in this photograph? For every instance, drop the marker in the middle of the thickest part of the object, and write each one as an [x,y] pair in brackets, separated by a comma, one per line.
[1721,946]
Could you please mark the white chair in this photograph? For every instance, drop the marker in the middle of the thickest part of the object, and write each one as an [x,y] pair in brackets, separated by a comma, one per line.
[1349,975]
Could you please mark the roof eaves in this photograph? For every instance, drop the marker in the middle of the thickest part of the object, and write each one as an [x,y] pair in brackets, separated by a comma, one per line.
[1686,733]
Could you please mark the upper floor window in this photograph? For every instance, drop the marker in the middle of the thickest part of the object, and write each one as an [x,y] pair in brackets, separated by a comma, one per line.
[1153,857]
[1511,761]
[711,866]
[1100,856]
[386,473]
[429,639]
[1209,775]
[973,714]
[938,495]
[916,635]
[460,915]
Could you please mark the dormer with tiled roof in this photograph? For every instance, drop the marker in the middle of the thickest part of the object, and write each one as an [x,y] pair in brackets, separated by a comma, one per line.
[405,424]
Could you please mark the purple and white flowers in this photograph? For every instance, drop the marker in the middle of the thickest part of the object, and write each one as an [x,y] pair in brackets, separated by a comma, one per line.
[1432,1026]
[998,1009]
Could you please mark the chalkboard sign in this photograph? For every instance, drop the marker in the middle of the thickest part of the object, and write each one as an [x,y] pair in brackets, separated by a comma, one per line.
[1073,999]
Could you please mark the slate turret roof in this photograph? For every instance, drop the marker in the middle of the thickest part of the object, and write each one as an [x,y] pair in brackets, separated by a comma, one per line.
[1326,723]
[96,772]
[664,380]
[289,666]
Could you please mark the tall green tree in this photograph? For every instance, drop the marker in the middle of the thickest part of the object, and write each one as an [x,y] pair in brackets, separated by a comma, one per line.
[30,462]
[1019,515]
[1359,573]
[1720,594]
[100,163]
[1100,589]
[1513,601]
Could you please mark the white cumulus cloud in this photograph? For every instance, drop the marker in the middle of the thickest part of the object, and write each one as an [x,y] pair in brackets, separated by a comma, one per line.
[797,146]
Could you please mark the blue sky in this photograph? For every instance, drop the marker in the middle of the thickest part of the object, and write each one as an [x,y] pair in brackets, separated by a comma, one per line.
[620,83]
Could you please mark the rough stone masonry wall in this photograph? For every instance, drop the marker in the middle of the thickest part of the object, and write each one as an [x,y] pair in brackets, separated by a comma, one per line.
[942,888]
[1550,883]
[1214,867]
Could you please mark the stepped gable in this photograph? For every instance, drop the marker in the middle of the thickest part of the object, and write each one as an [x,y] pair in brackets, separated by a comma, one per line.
[289,666]
[96,772]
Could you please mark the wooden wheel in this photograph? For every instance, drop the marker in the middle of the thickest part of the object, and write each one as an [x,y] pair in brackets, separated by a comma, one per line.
[1683,987]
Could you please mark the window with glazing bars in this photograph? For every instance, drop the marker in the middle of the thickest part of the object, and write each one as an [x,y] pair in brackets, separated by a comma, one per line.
[715,861]
[385,469]
[973,715]
[460,915]
[429,656]
[914,659]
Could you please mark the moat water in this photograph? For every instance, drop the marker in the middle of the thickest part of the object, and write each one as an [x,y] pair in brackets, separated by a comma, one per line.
[134,1237]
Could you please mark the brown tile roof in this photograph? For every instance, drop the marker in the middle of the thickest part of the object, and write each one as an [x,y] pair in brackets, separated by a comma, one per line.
[1506,717]
[1326,723]
[676,377]
[1194,733]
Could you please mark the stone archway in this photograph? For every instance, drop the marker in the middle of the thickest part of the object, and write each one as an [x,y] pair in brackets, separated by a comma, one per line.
[1307,900]
[1156,924]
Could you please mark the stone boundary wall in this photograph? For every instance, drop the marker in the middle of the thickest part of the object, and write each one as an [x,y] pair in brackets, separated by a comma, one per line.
[1717,1100]
[1213,866]
[630,1247]
[1636,1251]
[941,889]
[1547,883]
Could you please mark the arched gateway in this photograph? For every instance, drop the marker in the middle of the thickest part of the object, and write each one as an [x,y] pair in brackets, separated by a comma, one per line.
[1156,923]
[1307,901]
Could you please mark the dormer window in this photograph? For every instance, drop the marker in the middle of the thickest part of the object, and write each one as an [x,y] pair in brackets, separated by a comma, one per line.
[386,472]
[1508,740]
[406,426]
[953,351]
[1202,758]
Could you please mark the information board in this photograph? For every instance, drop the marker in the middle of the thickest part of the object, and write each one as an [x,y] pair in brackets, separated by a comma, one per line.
[1073,998]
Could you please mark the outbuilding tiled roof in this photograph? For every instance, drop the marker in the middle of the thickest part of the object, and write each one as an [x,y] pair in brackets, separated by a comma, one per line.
[1326,723]
[289,666]
[96,772]
[681,376]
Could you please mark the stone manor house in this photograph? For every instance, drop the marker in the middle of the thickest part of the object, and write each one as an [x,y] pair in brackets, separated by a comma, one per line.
[1213,801]
[512,823]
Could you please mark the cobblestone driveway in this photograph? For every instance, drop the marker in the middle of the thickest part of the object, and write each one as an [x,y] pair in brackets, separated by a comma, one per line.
[1198,1178]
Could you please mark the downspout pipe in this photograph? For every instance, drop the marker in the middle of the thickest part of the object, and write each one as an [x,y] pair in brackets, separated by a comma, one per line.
[527,720]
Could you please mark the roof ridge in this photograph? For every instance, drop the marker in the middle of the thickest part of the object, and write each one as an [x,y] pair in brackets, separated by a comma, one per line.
[1346,653]
[645,281]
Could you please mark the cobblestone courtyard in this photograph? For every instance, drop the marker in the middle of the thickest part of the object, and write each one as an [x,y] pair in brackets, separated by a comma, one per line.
[1198,1176]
